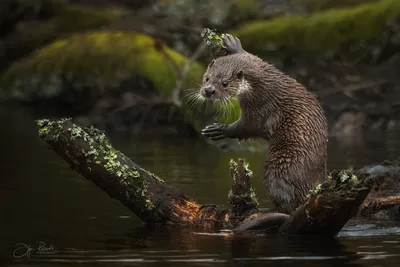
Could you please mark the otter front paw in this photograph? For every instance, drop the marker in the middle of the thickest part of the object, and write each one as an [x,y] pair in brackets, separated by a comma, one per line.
[215,131]
[232,44]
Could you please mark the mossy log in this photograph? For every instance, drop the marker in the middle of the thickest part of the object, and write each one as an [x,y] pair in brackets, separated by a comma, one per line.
[90,153]
[383,203]
[381,207]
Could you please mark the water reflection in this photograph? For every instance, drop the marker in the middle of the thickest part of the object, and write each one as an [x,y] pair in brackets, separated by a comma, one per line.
[165,246]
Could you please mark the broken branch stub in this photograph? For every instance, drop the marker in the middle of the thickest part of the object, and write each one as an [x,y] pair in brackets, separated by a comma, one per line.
[241,196]
[214,42]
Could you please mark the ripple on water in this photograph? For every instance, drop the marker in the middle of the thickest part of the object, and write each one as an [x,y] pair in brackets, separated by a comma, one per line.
[369,230]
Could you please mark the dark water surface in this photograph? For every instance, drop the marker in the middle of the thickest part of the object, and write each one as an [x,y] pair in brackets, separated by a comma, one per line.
[43,200]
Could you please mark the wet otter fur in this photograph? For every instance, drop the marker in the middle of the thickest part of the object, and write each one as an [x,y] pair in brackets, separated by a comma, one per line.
[277,108]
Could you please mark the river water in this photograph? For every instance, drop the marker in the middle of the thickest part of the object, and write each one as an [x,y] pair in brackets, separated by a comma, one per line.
[43,200]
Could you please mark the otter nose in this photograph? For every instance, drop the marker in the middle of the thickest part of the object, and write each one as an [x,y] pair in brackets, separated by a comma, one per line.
[209,91]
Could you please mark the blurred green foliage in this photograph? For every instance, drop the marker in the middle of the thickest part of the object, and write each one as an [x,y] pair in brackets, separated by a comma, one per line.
[346,31]
[318,5]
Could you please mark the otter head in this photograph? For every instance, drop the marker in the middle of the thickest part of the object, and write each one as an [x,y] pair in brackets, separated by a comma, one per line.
[223,79]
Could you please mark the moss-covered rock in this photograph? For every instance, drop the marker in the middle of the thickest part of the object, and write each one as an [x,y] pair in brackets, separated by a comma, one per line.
[95,62]
[63,19]
[346,31]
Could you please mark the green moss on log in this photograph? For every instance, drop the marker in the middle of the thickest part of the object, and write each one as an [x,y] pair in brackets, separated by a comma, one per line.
[346,30]
[100,152]
[337,181]
[97,62]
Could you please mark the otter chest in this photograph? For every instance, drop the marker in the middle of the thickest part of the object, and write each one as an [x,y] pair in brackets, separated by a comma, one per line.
[270,124]
[262,126]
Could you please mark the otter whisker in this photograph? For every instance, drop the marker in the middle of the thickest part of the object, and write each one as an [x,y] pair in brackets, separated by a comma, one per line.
[194,99]
[190,98]
[231,108]
[219,109]
[226,106]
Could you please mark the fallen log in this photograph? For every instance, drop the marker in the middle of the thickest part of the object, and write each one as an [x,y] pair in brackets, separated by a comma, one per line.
[381,208]
[383,202]
[91,154]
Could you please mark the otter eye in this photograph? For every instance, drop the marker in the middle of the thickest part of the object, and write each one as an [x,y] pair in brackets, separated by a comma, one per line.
[224,83]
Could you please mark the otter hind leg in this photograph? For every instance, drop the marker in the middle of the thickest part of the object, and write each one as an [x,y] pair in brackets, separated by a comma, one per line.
[281,190]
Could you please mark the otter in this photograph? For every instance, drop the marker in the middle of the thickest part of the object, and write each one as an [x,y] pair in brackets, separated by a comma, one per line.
[277,108]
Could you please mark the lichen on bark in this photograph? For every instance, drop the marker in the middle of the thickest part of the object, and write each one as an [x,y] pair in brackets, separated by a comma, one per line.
[98,151]
[242,196]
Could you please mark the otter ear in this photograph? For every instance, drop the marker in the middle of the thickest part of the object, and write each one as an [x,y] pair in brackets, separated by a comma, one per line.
[211,63]
[240,74]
